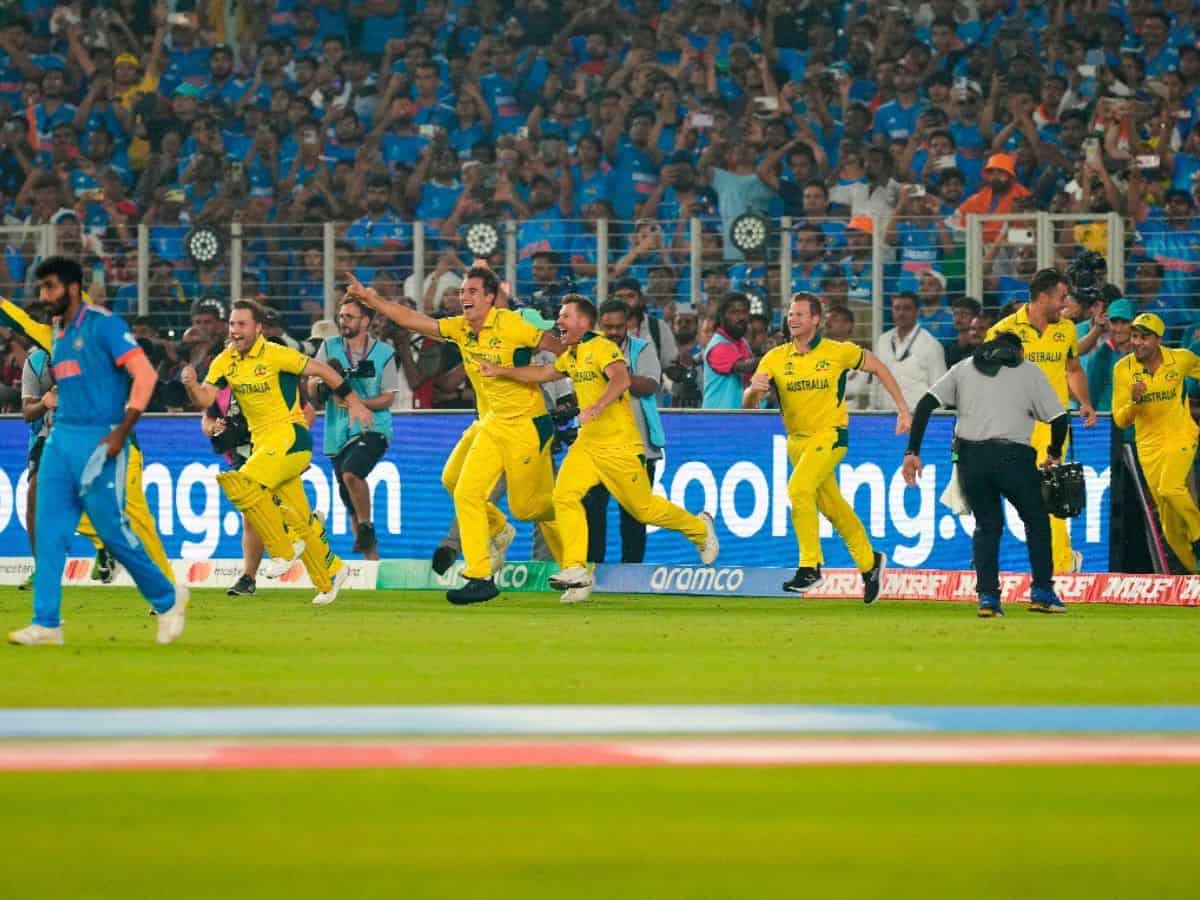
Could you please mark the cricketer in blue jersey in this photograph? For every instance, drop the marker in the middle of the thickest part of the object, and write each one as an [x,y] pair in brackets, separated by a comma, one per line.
[104,384]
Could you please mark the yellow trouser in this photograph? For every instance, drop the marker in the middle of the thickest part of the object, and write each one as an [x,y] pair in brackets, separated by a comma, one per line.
[518,449]
[1166,467]
[141,520]
[279,458]
[814,487]
[621,470]
[1060,538]
[453,469]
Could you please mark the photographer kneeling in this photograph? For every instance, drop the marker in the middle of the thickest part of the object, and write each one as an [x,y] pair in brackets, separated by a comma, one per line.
[999,396]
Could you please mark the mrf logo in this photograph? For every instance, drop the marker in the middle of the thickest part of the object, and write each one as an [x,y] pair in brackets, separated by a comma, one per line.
[1137,589]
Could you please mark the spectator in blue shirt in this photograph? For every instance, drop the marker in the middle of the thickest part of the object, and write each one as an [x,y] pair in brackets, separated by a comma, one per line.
[933,314]
[381,238]
[897,119]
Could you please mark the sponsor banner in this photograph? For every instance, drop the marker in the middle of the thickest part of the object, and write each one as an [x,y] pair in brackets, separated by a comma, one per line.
[418,575]
[1156,590]
[740,478]
[917,584]
[208,573]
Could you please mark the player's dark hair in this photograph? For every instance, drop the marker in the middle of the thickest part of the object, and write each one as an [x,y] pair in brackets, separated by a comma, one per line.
[844,311]
[729,301]
[65,269]
[491,281]
[612,306]
[815,306]
[1045,281]
[257,313]
[585,306]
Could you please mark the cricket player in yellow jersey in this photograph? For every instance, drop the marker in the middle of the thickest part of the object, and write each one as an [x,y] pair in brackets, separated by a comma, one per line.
[607,451]
[514,435]
[1149,394]
[267,490]
[809,375]
[1050,343]
[141,521]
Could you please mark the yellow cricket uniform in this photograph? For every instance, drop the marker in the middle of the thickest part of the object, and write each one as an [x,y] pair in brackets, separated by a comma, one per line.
[266,383]
[1166,439]
[812,397]
[1049,350]
[608,451]
[513,438]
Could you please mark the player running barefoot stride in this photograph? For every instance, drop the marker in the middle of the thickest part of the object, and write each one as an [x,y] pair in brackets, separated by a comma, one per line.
[104,384]
[607,451]
[809,374]
[265,378]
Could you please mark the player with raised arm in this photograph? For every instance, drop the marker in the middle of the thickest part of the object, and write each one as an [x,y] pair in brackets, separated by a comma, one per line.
[809,375]
[267,490]
[514,434]
[608,450]
[104,384]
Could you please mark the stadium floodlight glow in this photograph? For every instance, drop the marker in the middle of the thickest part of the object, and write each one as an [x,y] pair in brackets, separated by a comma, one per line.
[483,239]
[749,232]
[203,245]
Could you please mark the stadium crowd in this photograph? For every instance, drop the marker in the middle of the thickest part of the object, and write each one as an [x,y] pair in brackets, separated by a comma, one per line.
[845,116]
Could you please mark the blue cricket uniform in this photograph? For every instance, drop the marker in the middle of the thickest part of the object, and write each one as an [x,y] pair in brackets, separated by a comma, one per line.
[87,357]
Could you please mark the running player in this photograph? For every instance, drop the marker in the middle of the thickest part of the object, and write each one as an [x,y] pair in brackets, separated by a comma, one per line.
[1149,393]
[608,450]
[512,438]
[809,374]
[1051,344]
[267,490]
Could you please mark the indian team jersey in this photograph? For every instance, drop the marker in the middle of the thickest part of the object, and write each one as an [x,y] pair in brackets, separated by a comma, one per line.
[812,385]
[586,363]
[507,340]
[87,359]
[1162,414]
[265,381]
[1048,350]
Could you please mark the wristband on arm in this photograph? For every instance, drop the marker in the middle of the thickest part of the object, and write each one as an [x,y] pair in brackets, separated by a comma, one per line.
[343,390]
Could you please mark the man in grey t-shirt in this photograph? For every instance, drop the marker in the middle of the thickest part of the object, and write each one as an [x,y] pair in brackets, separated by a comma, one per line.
[998,397]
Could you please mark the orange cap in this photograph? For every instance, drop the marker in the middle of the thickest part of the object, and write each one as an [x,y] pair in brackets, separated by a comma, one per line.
[1005,162]
[861,223]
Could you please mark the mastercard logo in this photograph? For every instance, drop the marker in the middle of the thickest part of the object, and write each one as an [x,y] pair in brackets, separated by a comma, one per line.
[199,572]
[294,574]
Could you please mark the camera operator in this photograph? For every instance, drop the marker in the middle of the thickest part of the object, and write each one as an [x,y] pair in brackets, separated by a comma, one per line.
[999,397]
[370,367]
[229,432]
[645,382]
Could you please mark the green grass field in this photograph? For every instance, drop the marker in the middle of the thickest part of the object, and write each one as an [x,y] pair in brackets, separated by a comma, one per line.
[902,833]
[391,647]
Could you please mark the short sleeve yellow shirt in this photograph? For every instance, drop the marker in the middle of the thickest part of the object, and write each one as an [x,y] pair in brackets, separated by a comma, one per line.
[1049,350]
[587,363]
[812,384]
[507,340]
[265,381]
[1162,414]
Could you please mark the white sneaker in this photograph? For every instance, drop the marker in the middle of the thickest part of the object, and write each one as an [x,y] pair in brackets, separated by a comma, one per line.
[577,595]
[277,568]
[1076,562]
[711,546]
[498,547]
[339,578]
[574,577]
[170,623]
[34,635]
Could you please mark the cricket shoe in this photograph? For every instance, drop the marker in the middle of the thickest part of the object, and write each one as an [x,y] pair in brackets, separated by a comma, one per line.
[577,595]
[711,546]
[574,577]
[989,607]
[339,579]
[243,587]
[277,568]
[873,580]
[104,567]
[171,622]
[35,635]
[27,584]
[365,539]
[804,580]
[476,590]
[498,547]
[1044,600]
[443,558]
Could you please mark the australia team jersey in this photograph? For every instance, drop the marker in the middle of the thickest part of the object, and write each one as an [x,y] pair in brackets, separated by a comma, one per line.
[86,359]
[812,385]
[265,381]
[586,363]
[1048,350]
[507,340]
[1162,413]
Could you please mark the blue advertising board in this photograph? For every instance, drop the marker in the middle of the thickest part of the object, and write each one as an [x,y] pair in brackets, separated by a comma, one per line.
[734,465]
